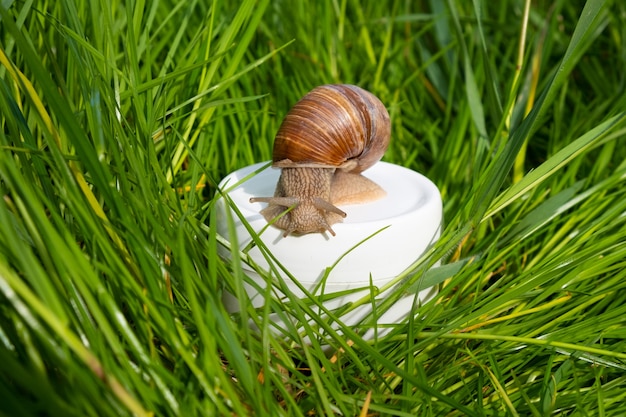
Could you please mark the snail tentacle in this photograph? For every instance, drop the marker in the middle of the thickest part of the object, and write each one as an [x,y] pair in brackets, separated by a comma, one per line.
[324,205]
[278,201]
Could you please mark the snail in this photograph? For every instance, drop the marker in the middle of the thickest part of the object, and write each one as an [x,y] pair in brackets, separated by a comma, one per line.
[325,142]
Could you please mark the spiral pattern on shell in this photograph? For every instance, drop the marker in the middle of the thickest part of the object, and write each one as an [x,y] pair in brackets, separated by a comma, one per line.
[334,126]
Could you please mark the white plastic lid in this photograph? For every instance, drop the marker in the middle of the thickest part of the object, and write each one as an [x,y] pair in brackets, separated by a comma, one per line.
[410,214]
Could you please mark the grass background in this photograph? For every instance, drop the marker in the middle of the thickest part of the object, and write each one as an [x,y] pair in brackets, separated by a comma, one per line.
[119,118]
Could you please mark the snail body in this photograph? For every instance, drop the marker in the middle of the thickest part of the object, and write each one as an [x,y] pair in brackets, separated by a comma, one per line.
[325,142]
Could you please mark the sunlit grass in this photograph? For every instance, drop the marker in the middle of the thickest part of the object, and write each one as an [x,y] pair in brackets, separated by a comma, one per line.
[119,119]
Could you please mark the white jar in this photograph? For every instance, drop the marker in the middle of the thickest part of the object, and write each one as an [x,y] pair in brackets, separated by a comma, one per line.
[373,245]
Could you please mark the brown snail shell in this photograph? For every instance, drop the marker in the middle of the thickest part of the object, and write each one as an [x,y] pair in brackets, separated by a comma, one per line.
[326,140]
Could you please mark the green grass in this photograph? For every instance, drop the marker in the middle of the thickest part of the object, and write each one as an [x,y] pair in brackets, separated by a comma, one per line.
[118,120]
